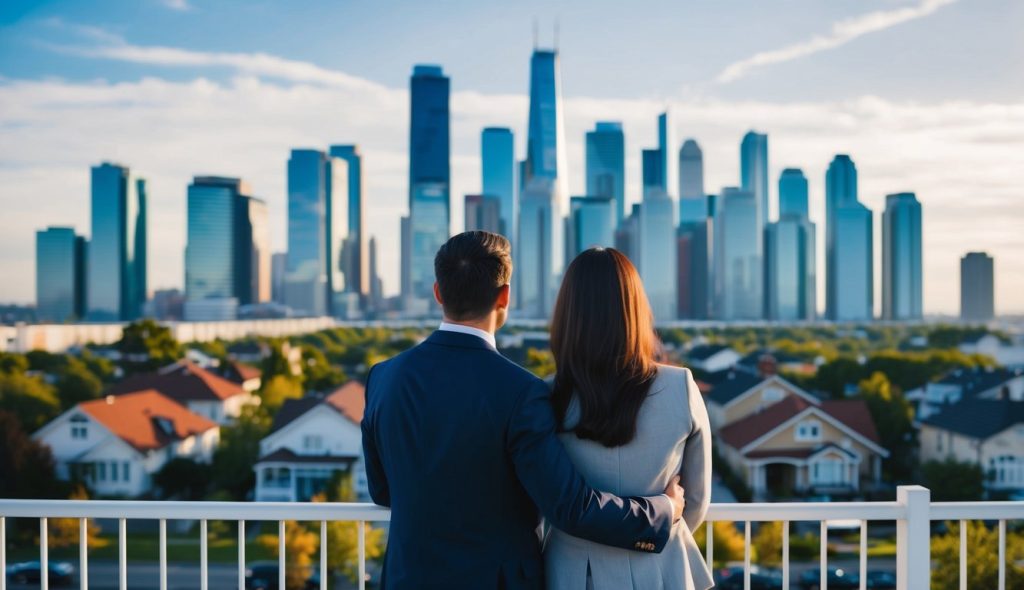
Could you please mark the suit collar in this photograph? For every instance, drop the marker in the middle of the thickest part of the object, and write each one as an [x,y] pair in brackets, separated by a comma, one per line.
[459,340]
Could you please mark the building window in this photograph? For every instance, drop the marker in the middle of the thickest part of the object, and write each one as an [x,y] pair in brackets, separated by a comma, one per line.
[126,471]
[808,431]
[772,395]
[101,471]
[113,471]
[828,472]
[312,442]
[79,432]
[1007,471]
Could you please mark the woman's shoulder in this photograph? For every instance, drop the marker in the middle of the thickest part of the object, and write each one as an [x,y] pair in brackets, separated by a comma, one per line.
[672,376]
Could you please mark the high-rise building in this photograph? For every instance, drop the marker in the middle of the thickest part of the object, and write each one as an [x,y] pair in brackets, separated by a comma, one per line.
[317,231]
[606,164]
[658,262]
[355,256]
[428,225]
[627,235]
[853,264]
[278,268]
[116,270]
[693,206]
[60,275]
[498,172]
[901,258]
[693,273]
[793,194]
[591,223]
[754,173]
[544,190]
[482,212]
[668,161]
[227,254]
[737,257]
[977,300]
[652,173]
[790,285]
[376,284]
[840,190]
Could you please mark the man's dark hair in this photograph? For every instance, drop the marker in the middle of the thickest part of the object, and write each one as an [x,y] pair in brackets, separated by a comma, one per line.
[471,268]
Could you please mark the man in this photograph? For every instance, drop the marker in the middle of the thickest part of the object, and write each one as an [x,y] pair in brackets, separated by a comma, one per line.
[461,444]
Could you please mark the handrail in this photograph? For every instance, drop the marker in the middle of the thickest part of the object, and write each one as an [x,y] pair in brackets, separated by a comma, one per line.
[155,509]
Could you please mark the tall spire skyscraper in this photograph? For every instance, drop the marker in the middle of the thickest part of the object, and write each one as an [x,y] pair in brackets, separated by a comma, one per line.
[693,203]
[545,189]
[666,140]
[754,173]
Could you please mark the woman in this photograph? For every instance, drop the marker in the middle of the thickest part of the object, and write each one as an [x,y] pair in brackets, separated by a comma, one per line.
[630,425]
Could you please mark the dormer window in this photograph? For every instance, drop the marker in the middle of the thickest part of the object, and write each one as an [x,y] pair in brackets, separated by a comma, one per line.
[79,427]
[771,395]
[312,442]
[808,431]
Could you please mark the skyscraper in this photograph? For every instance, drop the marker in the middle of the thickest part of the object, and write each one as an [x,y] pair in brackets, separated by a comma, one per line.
[737,256]
[278,266]
[429,183]
[606,164]
[498,171]
[482,212]
[853,264]
[116,269]
[376,284]
[657,256]
[793,193]
[227,254]
[355,256]
[977,302]
[60,275]
[652,172]
[545,188]
[693,269]
[790,285]
[901,258]
[591,223]
[840,190]
[317,230]
[668,161]
[754,173]
[693,206]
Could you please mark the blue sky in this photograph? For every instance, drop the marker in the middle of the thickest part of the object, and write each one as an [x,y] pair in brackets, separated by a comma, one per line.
[924,94]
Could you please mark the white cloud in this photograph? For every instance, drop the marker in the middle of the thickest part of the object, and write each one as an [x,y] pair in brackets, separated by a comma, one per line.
[179,5]
[842,33]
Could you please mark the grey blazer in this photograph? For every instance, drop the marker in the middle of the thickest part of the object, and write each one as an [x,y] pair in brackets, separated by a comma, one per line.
[673,436]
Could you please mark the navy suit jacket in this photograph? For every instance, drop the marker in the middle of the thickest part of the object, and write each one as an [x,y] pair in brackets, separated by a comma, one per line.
[460,443]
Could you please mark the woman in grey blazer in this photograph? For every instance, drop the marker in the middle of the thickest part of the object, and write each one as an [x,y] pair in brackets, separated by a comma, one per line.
[630,425]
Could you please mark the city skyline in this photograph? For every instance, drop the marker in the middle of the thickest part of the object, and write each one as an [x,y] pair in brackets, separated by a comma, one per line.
[803,135]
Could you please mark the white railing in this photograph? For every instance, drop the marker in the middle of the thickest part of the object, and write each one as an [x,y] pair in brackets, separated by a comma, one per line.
[912,511]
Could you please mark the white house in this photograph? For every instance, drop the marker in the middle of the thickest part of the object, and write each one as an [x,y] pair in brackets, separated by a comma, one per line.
[310,441]
[1008,355]
[117,443]
[194,387]
[712,358]
[960,384]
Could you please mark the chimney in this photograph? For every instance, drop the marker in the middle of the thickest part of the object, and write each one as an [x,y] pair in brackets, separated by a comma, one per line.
[767,366]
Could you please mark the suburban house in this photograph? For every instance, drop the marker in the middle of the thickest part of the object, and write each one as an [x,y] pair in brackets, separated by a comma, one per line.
[117,443]
[1007,354]
[736,394]
[985,432]
[248,376]
[311,440]
[194,387]
[711,358]
[960,384]
[752,362]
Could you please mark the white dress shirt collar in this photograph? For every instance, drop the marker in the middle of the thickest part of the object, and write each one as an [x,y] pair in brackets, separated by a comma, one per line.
[484,334]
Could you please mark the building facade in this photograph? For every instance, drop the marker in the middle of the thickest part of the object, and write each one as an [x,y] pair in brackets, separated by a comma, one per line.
[498,176]
[901,258]
[60,275]
[754,173]
[606,164]
[591,224]
[790,271]
[482,212]
[657,261]
[355,257]
[693,205]
[977,300]
[116,284]
[737,257]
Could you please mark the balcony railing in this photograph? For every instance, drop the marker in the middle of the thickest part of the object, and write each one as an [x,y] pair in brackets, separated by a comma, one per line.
[912,512]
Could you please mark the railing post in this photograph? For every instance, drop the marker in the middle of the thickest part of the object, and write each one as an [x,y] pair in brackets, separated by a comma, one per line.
[913,539]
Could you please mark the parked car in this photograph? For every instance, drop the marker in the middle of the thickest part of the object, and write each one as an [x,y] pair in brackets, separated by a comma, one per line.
[838,579]
[263,575]
[761,578]
[29,571]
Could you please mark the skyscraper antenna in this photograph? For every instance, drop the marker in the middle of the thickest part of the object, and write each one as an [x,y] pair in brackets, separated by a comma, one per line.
[536,33]
[556,35]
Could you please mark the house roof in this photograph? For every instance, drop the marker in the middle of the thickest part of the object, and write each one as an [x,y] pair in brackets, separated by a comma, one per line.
[349,400]
[978,418]
[795,453]
[146,420]
[728,385]
[752,359]
[979,379]
[703,352]
[243,371]
[852,413]
[286,455]
[183,381]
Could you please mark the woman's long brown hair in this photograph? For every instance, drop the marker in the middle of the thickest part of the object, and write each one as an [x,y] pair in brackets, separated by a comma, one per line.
[603,340]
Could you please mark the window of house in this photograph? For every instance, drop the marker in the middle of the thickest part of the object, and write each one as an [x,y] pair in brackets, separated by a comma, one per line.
[101,471]
[113,471]
[126,471]
[808,431]
[828,472]
[772,394]
[312,442]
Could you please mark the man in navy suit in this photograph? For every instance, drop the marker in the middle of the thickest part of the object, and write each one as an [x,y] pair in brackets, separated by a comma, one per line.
[460,443]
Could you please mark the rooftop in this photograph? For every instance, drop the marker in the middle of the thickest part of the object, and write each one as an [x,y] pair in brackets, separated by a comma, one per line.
[146,420]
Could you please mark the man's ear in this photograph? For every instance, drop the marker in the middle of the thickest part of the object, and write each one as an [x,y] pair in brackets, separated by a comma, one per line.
[437,294]
[503,297]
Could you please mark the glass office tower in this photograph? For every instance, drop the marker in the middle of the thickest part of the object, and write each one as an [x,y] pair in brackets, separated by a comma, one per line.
[317,230]
[693,206]
[116,269]
[840,190]
[498,171]
[591,223]
[60,275]
[606,164]
[754,172]
[544,190]
[977,300]
[428,225]
[737,256]
[693,274]
[668,161]
[483,213]
[901,258]
[793,194]
[652,173]
[790,285]
[657,258]
[853,263]
[355,256]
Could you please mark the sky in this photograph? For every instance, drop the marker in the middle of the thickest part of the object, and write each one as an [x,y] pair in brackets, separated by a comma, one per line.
[925,95]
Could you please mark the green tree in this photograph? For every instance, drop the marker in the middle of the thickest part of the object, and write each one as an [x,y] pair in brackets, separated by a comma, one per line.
[27,465]
[319,374]
[299,547]
[893,417]
[11,364]
[982,557]
[76,384]
[728,541]
[183,478]
[238,451]
[343,536]
[833,376]
[31,400]
[146,346]
[953,481]
[276,363]
[767,543]
[540,362]
[278,389]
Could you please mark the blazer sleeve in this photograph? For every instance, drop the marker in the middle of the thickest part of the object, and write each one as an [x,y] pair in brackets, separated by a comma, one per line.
[562,495]
[376,480]
[696,470]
